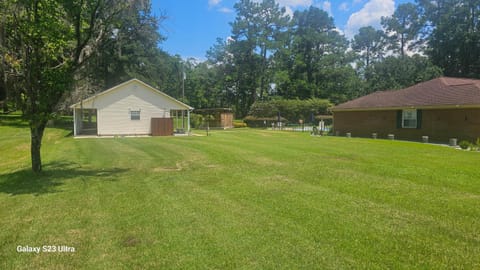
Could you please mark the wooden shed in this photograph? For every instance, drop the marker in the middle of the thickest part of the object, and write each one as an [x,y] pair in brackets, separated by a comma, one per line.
[222,117]
[130,108]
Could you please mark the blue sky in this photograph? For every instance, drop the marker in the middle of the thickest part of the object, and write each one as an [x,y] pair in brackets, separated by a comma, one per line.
[192,26]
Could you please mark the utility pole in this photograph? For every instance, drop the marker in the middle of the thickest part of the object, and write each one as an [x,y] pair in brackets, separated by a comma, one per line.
[184,77]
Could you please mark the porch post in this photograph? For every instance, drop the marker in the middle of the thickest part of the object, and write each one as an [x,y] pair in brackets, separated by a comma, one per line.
[183,119]
[188,121]
[176,120]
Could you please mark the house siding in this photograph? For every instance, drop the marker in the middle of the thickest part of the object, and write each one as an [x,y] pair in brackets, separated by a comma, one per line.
[114,110]
[438,124]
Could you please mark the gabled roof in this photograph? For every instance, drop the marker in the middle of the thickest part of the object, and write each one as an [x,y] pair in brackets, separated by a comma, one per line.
[443,92]
[151,88]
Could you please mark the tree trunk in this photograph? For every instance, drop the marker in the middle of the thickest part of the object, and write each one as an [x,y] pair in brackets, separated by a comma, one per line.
[3,85]
[263,71]
[368,56]
[36,132]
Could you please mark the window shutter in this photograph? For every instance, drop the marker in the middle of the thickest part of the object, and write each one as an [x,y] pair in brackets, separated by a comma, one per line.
[419,119]
[399,119]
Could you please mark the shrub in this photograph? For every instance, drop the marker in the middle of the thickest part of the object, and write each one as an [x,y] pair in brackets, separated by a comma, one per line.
[464,144]
[291,109]
[237,124]
[262,122]
[196,120]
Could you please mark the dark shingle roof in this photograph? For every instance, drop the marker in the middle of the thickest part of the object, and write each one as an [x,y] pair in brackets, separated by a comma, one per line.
[444,91]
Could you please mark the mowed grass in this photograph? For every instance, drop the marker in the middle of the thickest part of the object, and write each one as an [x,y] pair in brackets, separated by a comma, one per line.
[248,199]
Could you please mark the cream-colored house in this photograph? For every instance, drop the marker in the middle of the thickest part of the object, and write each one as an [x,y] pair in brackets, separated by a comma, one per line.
[130,108]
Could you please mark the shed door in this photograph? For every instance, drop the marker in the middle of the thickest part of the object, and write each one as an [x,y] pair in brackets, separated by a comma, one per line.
[162,126]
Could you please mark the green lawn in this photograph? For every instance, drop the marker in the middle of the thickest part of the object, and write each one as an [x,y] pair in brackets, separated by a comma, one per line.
[249,199]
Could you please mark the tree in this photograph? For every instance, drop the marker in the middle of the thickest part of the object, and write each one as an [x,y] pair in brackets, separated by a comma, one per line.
[291,109]
[272,23]
[312,31]
[205,87]
[452,32]
[130,50]
[222,67]
[401,72]
[370,44]
[314,62]
[256,31]
[403,27]
[3,72]
[48,42]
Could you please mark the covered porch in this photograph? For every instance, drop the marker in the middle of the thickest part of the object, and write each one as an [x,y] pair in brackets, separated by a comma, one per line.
[181,121]
[85,122]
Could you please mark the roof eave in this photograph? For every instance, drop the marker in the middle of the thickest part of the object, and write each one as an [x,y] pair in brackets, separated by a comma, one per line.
[422,107]
[187,107]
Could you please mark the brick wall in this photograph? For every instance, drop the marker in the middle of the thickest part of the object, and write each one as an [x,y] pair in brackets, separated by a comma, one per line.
[438,124]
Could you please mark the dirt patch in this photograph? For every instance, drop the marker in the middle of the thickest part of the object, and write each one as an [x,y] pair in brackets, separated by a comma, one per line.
[275,180]
[263,161]
[22,147]
[130,241]
[178,167]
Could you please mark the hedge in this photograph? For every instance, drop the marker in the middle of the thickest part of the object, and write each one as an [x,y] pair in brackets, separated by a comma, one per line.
[290,109]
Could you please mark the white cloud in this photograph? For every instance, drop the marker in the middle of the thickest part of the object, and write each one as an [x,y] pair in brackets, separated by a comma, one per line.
[369,15]
[225,10]
[289,11]
[295,3]
[290,5]
[338,30]
[212,3]
[343,6]
[327,6]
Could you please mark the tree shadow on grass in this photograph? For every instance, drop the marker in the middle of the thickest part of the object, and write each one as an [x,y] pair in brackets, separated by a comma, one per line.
[17,121]
[52,177]
[14,121]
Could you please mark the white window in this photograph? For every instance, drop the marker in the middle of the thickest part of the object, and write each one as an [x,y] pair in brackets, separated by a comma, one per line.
[134,115]
[409,118]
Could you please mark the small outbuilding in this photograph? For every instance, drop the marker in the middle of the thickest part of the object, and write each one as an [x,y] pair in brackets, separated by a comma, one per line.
[222,117]
[130,108]
[441,109]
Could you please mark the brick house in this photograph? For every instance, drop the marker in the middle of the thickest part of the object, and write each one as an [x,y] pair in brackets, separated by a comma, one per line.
[441,109]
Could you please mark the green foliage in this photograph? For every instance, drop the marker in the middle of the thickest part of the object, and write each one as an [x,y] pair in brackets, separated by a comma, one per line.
[400,72]
[291,109]
[130,50]
[369,44]
[452,33]
[403,27]
[204,86]
[256,34]
[196,120]
[307,58]
[43,45]
[239,124]
[464,144]
[262,122]
[314,61]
